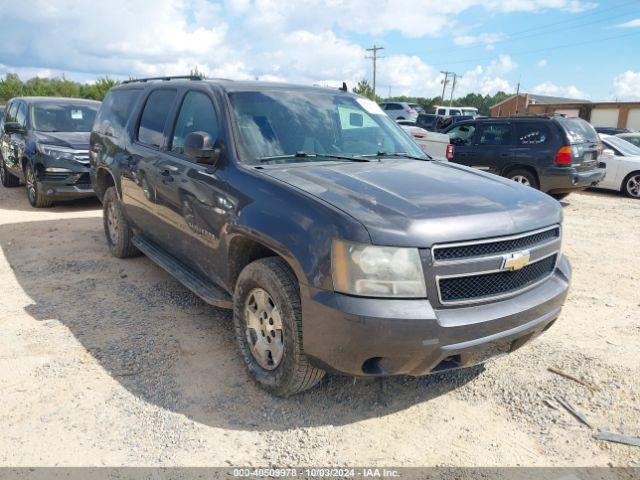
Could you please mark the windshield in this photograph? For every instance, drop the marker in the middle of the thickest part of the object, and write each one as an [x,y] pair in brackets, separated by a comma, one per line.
[578,130]
[626,148]
[275,123]
[63,117]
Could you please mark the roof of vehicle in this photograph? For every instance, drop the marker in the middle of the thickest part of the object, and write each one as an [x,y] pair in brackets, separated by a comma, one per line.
[628,134]
[34,100]
[230,85]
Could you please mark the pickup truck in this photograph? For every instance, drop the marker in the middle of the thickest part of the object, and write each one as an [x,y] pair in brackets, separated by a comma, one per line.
[338,244]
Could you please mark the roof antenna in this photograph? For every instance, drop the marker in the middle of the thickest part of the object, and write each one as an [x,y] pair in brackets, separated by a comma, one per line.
[343,87]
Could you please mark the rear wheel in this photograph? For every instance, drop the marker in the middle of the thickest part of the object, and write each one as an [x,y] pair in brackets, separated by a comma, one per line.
[116,227]
[6,177]
[36,197]
[268,323]
[523,177]
[631,185]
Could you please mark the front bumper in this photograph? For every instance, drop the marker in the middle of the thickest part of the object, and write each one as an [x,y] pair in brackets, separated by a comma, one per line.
[373,337]
[568,179]
[66,186]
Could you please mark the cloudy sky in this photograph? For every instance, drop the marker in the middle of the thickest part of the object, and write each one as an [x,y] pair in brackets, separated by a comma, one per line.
[576,48]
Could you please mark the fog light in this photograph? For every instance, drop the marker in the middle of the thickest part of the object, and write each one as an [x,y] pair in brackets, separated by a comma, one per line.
[51,191]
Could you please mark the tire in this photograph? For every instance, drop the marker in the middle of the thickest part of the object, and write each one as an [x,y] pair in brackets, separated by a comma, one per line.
[288,371]
[524,177]
[36,197]
[7,178]
[560,196]
[116,228]
[631,185]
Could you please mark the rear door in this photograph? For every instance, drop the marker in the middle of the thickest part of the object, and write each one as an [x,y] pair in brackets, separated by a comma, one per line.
[535,144]
[494,147]
[138,179]
[462,138]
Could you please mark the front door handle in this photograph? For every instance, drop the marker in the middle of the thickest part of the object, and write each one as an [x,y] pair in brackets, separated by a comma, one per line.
[166,176]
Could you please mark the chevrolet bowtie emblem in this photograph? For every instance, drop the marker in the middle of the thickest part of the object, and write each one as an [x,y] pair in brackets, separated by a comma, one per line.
[516,260]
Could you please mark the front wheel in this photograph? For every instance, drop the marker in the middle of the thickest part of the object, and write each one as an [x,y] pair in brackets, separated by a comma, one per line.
[7,178]
[631,185]
[36,197]
[523,177]
[268,323]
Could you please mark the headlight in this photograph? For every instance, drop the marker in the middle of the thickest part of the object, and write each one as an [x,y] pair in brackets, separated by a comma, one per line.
[371,271]
[56,152]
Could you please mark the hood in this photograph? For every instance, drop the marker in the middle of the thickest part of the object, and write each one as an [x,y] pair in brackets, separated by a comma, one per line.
[416,203]
[76,140]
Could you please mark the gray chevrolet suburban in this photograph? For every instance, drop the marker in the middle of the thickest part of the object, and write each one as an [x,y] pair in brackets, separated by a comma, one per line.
[339,245]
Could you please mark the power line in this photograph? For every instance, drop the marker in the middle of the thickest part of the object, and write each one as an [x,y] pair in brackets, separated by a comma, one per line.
[518,34]
[374,57]
[538,50]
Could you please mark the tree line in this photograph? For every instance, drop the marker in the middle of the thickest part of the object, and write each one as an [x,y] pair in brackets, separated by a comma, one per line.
[482,102]
[11,86]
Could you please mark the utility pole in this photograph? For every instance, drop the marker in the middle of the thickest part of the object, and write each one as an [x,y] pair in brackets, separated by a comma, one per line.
[517,97]
[453,87]
[444,83]
[374,57]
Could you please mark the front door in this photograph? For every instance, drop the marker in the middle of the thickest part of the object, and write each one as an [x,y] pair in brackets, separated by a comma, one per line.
[191,198]
[494,147]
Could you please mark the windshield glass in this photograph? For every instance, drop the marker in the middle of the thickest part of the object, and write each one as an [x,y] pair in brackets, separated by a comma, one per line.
[63,117]
[622,145]
[578,130]
[278,123]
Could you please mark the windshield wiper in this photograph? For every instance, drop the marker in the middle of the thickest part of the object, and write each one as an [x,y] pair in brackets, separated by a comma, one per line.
[312,155]
[381,154]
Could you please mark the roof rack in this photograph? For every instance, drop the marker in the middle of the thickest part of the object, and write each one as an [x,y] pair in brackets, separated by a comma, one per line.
[175,77]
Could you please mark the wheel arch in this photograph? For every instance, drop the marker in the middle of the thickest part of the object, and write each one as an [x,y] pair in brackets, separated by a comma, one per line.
[518,166]
[104,180]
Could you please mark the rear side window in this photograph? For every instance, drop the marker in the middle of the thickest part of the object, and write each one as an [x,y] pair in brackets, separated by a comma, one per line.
[578,130]
[442,111]
[115,110]
[496,134]
[154,117]
[455,112]
[461,135]
[394,106]
[532,133]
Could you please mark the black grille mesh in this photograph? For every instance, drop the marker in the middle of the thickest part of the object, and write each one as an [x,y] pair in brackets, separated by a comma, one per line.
[491,284]
[493,248]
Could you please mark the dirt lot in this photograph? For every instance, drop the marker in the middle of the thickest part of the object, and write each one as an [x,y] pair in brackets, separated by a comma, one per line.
[112,362]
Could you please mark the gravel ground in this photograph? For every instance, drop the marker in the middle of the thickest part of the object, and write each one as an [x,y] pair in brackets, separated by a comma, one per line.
[112,362]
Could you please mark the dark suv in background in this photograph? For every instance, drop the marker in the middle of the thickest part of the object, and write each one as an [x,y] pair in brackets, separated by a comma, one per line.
[557,155]
[337,243]
[44,143]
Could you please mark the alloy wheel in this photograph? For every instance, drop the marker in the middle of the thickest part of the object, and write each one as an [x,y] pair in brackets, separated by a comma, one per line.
[633,186]
[264,329]
[2,172]
[112,223]
[521,179]
[31,185]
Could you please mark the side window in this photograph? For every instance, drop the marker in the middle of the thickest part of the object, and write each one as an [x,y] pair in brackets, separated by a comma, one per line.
[394,106]
[532,133]
[10,112]
[21,114]
[196,114]
[496,134]
[384,106]
[115,110]
[442,111]
[154,116]
[462,135]
[455,112]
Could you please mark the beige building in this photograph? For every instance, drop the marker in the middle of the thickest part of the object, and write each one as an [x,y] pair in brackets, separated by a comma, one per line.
[599,114]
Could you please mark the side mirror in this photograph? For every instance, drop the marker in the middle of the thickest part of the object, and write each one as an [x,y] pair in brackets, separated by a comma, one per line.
[13,127]
[607,153]
[199,146]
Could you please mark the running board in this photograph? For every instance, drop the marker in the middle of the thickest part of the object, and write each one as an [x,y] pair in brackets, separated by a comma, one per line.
[202,287]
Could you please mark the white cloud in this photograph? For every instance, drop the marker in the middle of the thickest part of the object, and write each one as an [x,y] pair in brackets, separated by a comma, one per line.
[550,88]
[630,24]
[542,63]
[626,86]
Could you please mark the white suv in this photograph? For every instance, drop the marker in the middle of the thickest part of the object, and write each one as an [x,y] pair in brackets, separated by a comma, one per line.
[399,111]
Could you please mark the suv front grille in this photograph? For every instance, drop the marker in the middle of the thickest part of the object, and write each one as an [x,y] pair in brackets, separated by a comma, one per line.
[469,250]
[475,287]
